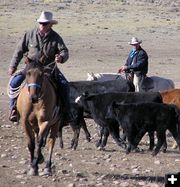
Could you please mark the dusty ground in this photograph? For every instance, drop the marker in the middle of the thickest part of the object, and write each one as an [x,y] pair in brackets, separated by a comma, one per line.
[96,33]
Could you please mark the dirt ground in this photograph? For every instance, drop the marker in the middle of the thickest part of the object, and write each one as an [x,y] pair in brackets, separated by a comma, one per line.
[96,33]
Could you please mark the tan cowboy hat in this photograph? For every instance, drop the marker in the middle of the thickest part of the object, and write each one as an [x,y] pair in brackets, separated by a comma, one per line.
[46,17]
[134,41]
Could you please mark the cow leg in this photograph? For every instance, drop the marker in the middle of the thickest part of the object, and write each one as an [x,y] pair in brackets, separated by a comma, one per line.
[151,140]
[114,131]
[74,141]
[161,136]
[104,134]
[164,146]
[84,127]
[61,144]
[98,143]
[137,139]
[123,137]
[131,137]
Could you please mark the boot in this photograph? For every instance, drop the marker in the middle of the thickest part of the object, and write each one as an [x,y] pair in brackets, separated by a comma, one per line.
[13,116]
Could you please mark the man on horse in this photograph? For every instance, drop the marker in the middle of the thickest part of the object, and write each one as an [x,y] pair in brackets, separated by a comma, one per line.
[42,40]
[136,65]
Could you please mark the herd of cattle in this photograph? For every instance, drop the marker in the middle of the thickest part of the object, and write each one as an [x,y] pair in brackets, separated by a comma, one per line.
[113,104]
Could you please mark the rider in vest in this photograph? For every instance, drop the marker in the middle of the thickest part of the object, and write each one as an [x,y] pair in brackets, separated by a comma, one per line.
[41,40]
[136,65]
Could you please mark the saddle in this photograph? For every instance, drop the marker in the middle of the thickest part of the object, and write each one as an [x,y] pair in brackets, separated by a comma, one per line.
[147,84]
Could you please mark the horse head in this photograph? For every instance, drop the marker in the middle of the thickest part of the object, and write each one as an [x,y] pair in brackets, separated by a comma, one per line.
[34,78]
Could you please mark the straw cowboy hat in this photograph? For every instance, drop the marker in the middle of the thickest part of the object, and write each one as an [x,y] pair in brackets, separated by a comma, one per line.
[46,17]
[134,41]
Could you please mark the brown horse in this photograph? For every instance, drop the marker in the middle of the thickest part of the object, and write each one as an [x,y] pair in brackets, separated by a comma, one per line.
[39,114]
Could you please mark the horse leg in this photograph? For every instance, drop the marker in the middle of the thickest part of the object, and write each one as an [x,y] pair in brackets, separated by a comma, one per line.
[30,144]
[43,128]
[51,143]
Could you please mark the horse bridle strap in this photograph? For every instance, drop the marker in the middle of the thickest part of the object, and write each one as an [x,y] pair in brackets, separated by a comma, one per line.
[34,85]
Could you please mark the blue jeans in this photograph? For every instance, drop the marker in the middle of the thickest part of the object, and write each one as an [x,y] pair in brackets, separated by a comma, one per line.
[15,83]
[62,83]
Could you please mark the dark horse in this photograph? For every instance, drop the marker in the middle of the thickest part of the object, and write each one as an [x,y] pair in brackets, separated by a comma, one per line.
[39,114]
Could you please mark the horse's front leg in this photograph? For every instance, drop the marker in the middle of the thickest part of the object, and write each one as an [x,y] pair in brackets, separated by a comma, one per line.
[51,143]
[38,157]
[30,143]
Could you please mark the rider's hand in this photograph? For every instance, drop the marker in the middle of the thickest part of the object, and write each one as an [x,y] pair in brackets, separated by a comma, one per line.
[58,58]
[11,70]
[122,69]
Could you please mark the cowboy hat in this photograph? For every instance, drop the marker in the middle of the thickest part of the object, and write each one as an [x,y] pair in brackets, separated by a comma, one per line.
[46,17]
[134,41]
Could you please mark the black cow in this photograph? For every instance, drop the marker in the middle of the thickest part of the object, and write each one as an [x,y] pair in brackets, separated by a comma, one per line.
[96,106]
[138,118]
[76,125]
[76,89]
[79,87]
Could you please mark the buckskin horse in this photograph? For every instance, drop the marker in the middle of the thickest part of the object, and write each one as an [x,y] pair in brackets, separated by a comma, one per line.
[39,115]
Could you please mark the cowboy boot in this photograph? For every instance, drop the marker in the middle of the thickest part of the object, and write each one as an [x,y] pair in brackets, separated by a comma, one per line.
[13,116]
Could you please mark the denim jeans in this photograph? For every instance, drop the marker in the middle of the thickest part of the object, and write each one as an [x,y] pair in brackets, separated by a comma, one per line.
[15,83]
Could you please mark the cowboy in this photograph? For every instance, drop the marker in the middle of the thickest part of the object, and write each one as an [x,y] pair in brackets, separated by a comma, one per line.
[136,65]
[41,40]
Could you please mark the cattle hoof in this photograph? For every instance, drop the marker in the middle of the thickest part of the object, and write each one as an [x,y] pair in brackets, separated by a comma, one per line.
[32,172]
[73,148]
[101,148]
[98,144]
[138,150]
[127,151]
[164,150]
[154,153]
[61,145]
[88,139]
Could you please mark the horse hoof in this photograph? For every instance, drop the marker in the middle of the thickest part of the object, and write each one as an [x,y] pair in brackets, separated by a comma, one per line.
[16,123]
[46,172]
[33,172]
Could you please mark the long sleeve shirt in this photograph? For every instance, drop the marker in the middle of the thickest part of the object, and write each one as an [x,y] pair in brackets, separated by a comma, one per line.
[34,45]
